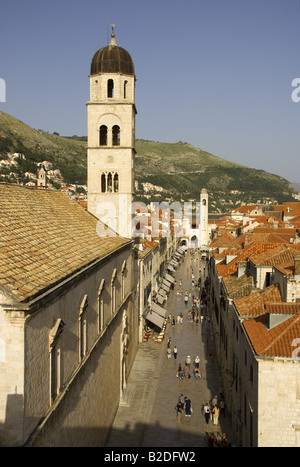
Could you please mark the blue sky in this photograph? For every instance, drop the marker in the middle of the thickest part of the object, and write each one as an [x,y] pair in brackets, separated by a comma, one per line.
[214,73]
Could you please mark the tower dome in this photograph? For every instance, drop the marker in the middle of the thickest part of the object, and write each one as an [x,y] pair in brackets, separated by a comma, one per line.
[112,59]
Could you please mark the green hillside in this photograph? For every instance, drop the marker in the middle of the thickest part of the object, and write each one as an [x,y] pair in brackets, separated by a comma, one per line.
[182,170]
[179,168]
[66,154]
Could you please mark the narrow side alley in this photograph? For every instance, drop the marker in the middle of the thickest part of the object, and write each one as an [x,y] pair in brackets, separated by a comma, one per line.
[147,416]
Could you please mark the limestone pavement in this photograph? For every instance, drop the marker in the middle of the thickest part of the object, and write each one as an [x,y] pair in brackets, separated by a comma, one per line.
[147,416]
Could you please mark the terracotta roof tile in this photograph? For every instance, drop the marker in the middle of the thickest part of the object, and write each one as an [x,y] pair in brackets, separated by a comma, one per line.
[274,342]
[44,237]
[254,304]
[253,249]
[238,287]
[276,256]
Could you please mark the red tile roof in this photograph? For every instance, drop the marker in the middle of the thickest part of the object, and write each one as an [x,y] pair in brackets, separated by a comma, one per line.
[254,304]
[254,248]
[277,256]
[45,236]
[277,341]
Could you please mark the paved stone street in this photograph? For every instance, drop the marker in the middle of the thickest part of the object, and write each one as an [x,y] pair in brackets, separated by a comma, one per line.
[147,418]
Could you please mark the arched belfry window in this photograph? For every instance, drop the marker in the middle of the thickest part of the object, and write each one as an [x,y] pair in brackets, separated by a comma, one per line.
[204,202]
[103,183]
[110,88]
[125,89]
[116,183]
[116,135]
[109,183]
[103,135]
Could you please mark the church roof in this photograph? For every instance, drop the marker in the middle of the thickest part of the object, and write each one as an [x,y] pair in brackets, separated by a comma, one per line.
[45,237]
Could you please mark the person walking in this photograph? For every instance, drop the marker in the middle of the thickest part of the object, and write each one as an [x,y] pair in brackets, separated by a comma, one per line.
[188,361]
[180,372]
[214,401]
[206,412]
[197,373]
[179,410]
[211,441]
[216,412]
[175,351]
[169,352]
[197,362]
[188,407]
[181,398]
[222,407]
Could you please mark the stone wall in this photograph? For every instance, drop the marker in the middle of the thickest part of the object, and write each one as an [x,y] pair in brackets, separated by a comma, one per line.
[92,361]
[279,401]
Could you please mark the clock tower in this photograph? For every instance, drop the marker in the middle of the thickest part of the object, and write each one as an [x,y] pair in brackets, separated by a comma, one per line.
[111,139]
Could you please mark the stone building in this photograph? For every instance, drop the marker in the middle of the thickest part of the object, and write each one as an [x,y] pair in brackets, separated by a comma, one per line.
[41,177]
[69,329]
[71,305]
[69,332]
[254,304]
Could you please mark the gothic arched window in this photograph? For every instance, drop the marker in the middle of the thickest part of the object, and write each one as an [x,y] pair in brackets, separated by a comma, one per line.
[103,183]
[109,183]
[103,135]
[116,183]
[116,135]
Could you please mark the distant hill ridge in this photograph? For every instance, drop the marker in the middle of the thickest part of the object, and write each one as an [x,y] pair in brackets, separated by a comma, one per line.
[179,168]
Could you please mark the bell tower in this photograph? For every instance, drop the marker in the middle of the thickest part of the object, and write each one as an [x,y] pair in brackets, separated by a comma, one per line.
[203,227]
[111,139]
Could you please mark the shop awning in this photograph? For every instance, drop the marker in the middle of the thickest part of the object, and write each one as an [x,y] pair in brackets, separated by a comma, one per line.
[161,299]
[154,318]
[159,309]
[166,282]
[170,278]
[165,287]
[170,268]
[162,293]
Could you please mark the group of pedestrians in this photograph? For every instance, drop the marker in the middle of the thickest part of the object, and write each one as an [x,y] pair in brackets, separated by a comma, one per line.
[184,405]
[213,412]
[197,297]
[184,372]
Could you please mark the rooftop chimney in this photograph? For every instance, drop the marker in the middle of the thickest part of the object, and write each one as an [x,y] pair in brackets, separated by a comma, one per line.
[297,265]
